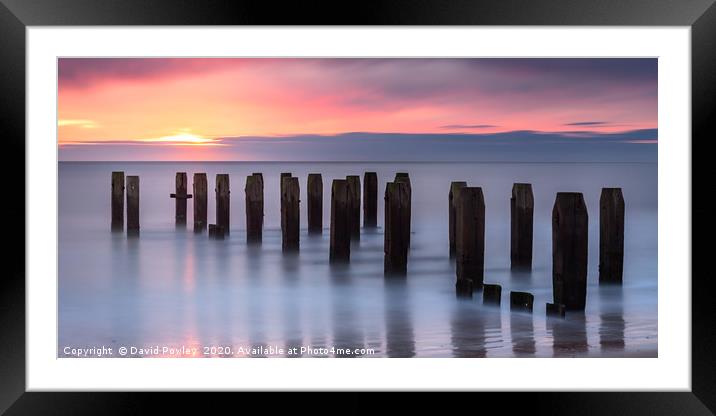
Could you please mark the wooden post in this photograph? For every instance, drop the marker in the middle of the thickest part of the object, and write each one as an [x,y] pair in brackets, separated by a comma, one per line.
[222,201]
[132,204]
[354,205]
[180,198]
[283,175]
[452,201]
[117,201]
[314,189]
[370,200]
[491,294]
[522,212]
[470,238]
[200,202]
[280,184]
[569,250]
[405,178]
[290,218]
[397,211]
[611,236]
[254,191]
[521,301]
[340,249]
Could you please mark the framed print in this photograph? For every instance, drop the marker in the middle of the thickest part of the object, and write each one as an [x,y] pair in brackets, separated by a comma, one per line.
[458,197]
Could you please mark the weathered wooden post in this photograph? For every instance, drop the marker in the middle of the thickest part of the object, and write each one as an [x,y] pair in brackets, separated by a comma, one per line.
[452,200]
[117,201]
[405,178]
[340,249]
[611,236]
[569,250]
[200,202]
[491,294]
[522,212]
[354,205]
[290,218]
[397,215]
[222,201]
[132,204]
[180,196]
[283,175]
[521,301]
[370,200]
[254,190]
[280,185]
[470,239]
[314,189]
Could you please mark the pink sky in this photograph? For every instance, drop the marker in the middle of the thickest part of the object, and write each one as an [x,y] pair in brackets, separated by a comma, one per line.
[180,101]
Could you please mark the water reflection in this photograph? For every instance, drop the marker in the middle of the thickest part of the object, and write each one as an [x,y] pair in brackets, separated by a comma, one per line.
[569,335]
[347,334]
[468,330]
[611,318]
[255,321]
[126,277]
[522,331]
[290,295]
[400,339]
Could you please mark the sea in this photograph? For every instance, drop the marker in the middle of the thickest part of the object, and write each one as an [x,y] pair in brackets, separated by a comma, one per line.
[171,292]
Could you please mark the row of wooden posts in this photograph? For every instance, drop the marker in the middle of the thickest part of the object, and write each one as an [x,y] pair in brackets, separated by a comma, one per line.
[466,211]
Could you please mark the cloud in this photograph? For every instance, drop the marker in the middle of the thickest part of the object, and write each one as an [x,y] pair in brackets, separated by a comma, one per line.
[468,126]
[587,123]
[392,81]
[85,72]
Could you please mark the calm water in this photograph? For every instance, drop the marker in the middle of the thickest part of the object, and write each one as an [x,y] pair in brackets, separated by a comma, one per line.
[173,288]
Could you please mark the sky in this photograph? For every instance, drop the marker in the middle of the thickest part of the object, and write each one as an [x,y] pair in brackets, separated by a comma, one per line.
[341,109]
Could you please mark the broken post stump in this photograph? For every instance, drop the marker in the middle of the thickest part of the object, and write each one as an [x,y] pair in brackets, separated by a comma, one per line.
[200,202]
[554,309]
[405,178]
[254,191]
[222,201]
[180,197]
[314,189]
[370,200]
[117,201]
[569,250]
[491,294]
[470,236]
[340,248]
[611,236]
[290,218]
[216,231]
[132,204]
[452,200]
[353,182]
[397,217]
[522,217]
[521,301]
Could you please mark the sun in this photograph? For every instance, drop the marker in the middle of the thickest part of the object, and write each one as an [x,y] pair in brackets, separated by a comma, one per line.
[183,136]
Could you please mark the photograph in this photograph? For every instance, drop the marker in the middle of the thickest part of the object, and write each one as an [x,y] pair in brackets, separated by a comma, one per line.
[357,207]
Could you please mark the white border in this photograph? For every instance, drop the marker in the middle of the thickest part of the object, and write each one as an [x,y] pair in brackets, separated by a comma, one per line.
[670,371]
